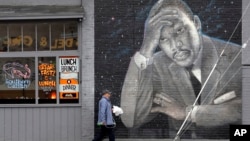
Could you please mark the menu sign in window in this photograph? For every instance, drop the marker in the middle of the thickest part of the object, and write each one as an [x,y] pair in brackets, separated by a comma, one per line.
[47,74]
[69,82]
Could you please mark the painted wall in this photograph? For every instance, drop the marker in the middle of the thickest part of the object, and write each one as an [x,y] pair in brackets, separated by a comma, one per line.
[119,29]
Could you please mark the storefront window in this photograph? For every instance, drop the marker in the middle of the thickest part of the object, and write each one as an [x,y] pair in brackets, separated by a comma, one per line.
[39,36]
[29,37]
[43,36]
[47,79]
[39,62]
[15,38]
[71,36]
[69,79]
[3,38]
[57,37]
[18,75]
[16,80]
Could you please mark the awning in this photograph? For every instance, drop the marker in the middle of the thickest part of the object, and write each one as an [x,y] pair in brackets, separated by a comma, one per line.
[40,12]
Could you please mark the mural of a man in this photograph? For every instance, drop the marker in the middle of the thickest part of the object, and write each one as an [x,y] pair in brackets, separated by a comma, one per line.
[159,82]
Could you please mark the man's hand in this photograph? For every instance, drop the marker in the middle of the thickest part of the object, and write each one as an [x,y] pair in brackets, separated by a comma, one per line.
[169,106]
[153,26]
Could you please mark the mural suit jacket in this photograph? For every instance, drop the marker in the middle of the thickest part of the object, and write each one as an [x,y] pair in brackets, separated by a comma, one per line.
[164,76]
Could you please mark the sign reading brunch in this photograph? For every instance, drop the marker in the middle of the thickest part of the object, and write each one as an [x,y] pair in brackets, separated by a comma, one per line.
[69,83]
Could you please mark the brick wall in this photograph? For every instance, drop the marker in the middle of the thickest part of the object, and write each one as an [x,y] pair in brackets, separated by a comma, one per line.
[119,27]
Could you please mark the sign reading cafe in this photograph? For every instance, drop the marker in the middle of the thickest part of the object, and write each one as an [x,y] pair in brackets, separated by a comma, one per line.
[69,71]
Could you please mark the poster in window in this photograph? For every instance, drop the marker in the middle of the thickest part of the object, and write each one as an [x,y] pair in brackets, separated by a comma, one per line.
[69,82]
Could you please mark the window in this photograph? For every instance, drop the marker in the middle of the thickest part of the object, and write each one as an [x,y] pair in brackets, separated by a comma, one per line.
[69,79]
[14,38]
[43,33]
[41,62]
[39,36]
[16,83]
[47,80]
[3,38]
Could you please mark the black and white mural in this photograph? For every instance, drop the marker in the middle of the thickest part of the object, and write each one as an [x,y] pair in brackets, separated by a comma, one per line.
[174,66]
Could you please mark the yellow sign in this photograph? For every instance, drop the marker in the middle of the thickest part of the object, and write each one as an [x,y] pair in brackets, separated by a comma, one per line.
[47,72]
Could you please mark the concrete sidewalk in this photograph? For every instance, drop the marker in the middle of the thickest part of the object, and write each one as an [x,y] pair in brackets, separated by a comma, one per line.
[162,140]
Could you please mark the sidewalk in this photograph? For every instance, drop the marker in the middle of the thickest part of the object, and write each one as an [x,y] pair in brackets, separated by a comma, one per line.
[162,140]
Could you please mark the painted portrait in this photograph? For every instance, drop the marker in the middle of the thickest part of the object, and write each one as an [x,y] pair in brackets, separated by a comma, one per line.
[174,67]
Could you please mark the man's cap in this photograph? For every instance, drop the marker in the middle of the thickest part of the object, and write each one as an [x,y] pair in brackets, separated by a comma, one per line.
[106,91]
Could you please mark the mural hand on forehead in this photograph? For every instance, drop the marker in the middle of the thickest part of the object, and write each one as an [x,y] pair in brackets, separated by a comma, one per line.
[153,29]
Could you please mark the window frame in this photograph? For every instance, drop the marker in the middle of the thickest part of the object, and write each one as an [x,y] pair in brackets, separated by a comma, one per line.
[49,53]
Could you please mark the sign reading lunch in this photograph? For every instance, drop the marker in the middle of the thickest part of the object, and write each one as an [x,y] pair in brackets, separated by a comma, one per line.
[69,84]
[69,65]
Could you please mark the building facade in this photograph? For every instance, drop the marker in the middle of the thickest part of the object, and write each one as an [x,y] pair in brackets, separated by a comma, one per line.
[31,107]
[56,57]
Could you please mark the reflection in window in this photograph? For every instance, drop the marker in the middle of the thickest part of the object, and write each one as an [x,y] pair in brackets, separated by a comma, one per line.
[43,36]
[31,77]
[71,36]
[3,38]
[17,84]
[29,38]
[39,36]
[47,79]
[15,37]
[57,37]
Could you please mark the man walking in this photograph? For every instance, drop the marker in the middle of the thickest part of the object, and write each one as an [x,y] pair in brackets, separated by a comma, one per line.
[105,117]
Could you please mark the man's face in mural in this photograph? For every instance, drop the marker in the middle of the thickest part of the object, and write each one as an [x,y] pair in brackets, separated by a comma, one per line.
[181,41]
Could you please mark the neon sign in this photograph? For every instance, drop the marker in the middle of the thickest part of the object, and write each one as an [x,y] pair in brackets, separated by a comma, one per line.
[17,83]
[46,72]
[17,75]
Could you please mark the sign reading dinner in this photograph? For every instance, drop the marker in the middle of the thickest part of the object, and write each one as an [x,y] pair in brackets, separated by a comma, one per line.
[69,84]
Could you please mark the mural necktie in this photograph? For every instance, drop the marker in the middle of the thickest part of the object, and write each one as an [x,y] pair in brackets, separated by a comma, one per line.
[195,83]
